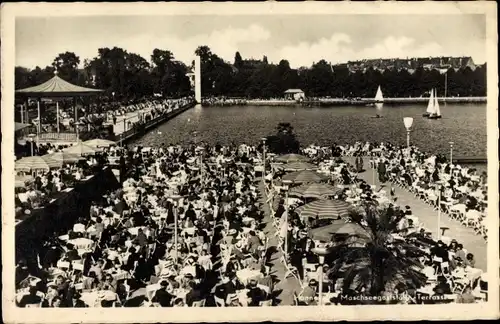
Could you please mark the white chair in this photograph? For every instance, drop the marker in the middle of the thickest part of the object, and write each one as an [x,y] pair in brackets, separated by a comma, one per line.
[266,303]
[219,302]
[200,303]
[151,290]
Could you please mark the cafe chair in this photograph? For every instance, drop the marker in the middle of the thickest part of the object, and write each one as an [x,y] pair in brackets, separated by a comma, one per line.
[200,303]
[219,302]
[266,303]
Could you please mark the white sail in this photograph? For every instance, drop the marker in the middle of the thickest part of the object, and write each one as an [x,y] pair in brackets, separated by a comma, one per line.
[430,105]
[379,97]
[437,111]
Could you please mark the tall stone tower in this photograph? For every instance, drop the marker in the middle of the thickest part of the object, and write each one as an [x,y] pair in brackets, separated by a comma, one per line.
[197,79]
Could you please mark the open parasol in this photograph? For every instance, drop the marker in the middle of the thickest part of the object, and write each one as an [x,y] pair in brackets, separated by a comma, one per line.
[304,177]
[81,149]
[99,142]
[338,228]
[63,158]
[32,163]
[323,208]
[315,190]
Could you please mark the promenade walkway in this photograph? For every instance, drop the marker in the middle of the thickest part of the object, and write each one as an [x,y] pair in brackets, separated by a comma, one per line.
[285,287]
[122,121]
[473,243]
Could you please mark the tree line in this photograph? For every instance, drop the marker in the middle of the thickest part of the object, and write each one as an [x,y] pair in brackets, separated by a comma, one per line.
[129,75]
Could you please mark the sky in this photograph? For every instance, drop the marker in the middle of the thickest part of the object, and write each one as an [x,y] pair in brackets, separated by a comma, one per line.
[300,39]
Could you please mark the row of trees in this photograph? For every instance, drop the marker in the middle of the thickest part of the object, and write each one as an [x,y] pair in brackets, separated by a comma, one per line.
[130,75]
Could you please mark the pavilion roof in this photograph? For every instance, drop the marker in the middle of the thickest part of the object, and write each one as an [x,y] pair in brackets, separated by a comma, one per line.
[57,87]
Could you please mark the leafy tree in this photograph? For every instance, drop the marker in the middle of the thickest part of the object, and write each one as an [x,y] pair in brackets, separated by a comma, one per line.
[238,61]
[284,141]
[66,65]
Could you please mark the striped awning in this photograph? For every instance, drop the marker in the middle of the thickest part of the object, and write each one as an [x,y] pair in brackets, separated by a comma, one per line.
[323,209]
[63,157]
[315,190]
[326,233]
[304,177]
[81,149]
[99,142]
[32,163]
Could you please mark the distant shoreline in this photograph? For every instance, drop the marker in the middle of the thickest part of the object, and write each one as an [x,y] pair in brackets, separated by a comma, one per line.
[340,101]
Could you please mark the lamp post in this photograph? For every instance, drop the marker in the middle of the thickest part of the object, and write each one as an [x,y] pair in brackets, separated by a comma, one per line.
[264,159]
[175,198]
[31,136]
[321,252]
[286,185]
[408,121]
[451,156]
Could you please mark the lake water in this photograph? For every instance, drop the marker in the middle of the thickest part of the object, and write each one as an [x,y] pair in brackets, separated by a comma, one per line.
[464,124]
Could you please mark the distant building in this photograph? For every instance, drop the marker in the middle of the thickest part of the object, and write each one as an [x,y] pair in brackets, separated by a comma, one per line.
[295,94]
[428,63]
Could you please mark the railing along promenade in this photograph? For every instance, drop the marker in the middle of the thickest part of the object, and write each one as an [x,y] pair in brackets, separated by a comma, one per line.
[140,129]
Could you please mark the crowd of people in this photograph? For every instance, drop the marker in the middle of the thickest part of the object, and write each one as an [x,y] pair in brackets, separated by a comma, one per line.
[450,273]
[223,101]
[458,191]
[186,229]
[129,252]
[59,169]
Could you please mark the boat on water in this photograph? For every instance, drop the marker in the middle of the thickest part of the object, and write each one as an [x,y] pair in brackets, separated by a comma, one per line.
[430,105]
[436,111]
[379,97]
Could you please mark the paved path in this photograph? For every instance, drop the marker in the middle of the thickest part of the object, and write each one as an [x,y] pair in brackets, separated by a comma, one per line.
[473,243]
[133,117]
[285,287]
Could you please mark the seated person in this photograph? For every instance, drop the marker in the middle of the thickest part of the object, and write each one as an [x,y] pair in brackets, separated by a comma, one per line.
[31,299]
[309,293]
[163,296]
[255,294]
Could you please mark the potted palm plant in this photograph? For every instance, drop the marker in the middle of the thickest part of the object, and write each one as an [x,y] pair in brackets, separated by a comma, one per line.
[381,263]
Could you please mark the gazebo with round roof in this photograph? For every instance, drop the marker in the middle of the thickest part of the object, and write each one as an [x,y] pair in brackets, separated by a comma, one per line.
[56,88]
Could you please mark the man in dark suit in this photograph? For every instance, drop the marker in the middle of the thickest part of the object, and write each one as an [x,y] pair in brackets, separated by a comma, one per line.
[162,296]
[194,294]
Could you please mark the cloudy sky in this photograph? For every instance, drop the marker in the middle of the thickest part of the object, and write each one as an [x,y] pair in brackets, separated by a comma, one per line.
[300,39]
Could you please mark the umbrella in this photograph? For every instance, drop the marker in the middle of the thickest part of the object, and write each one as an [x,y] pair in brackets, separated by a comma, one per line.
[20,181]
[298,166]
[32,163]
[324,209]
[325,233]
[292,158]
[315,190]
[80,149]
[99,142]
[63,158]
[304,176]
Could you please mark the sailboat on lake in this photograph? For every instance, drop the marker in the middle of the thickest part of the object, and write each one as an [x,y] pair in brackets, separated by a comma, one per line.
[379,97]
[436,111]
[430,105]
[379,103]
